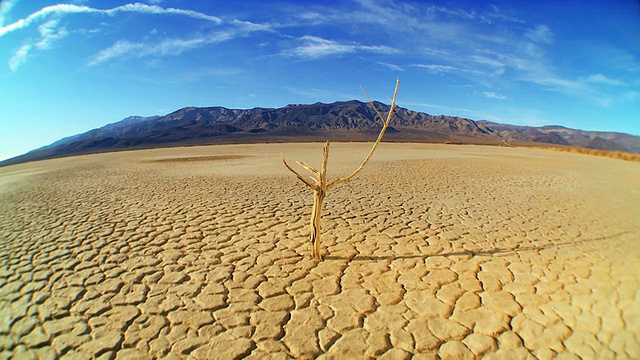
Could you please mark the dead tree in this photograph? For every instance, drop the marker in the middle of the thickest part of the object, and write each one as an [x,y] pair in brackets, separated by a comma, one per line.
[318,179]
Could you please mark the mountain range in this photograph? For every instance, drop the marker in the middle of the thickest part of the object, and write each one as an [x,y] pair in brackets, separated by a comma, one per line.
[340,121]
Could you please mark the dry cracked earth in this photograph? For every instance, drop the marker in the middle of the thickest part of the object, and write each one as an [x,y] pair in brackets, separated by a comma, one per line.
[433,251]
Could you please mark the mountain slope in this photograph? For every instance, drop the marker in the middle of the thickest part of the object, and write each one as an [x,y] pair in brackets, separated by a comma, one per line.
[599,140]
[341,121]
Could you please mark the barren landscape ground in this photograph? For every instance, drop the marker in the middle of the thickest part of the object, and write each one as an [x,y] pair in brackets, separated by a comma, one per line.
[433,250]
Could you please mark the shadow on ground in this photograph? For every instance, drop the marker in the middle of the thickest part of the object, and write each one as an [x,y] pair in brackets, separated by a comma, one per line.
[473,253]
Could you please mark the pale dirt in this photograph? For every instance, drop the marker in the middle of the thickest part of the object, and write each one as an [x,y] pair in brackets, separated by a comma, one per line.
[432,251]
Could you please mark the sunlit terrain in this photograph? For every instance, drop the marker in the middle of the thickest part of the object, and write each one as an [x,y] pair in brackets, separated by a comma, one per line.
[455,251]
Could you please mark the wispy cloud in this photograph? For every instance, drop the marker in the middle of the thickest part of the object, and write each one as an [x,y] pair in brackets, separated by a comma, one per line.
[540,34]
[5,8]
[581,88]
[442,69]
[491,65]
[49,33]
[320,94]
[19,57]
[450,40]
[314,47]
[495,13]
[486,44]
[120,48]
[125,48]
[631,96]
[63,9]
[176,46]
[392,67]
[248,26]
[602,79]
[436,106]
[191,76]
[494,95]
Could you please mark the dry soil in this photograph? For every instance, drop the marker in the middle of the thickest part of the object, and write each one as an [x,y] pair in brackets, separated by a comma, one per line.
[432,251]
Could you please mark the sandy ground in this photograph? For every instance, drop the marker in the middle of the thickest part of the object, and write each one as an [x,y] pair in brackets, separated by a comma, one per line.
[432,251]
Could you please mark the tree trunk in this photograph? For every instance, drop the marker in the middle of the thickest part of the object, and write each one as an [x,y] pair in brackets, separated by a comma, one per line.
[318,200]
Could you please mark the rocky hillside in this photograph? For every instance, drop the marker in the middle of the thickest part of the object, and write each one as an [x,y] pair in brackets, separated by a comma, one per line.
[598,140]
[339,121]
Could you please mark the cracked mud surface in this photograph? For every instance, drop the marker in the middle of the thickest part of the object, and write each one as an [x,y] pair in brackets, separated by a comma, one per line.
[432,251]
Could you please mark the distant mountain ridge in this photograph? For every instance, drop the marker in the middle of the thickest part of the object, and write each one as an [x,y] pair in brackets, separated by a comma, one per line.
[339,121]
[554,134]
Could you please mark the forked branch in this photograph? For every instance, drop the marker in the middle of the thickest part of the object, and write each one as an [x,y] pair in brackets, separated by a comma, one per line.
[318,179]
[300,177]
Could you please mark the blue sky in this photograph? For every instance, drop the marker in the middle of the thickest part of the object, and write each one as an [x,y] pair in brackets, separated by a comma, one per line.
[66,68]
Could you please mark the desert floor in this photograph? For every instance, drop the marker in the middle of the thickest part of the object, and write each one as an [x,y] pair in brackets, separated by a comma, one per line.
[432,251]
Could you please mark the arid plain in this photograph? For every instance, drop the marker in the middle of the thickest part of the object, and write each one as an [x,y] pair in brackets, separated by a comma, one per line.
[446,251]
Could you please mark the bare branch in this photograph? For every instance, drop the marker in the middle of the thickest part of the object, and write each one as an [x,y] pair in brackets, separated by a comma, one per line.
[323,168]
[302,178]
[384,128]
[309,168]
[372,104]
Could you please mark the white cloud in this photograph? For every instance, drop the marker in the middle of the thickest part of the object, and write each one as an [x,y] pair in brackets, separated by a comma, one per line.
[43,13]
[249,26]
[493,95]
[190,76]
[598,88]
[603,80]
[452,40]
[175,46]
[19,57]
[558,83]
[48,28]
[381,49]
[436,106]
[50,34]
[320,94]
[581,88]
[120,48]
[62,9]
[5,8]
[314,47]
[443,69]
[125,48]
[496,13]
[391,66]
[454,13]
[488,61]
[540,34]
[495,66]
[438,68]
[312,17]
[631,96]
[154,9]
